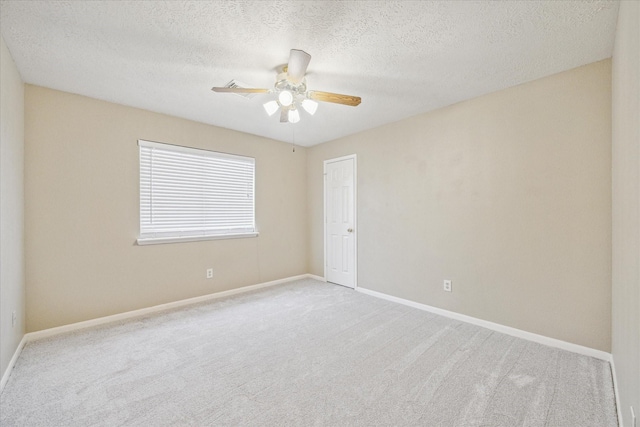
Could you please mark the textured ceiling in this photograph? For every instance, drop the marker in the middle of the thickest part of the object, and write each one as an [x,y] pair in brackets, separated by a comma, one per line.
[401,57]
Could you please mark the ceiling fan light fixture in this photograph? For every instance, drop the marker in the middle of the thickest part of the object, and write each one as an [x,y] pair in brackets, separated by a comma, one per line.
[290,91]
[310,106]
[285,98]
[294,115]
[271,107]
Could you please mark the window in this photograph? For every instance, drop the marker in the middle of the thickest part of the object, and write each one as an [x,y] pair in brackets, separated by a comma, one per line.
[189,194]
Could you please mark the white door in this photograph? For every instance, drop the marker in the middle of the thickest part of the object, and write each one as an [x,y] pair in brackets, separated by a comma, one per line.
[340,220]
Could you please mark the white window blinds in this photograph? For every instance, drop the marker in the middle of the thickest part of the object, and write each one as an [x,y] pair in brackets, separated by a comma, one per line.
[191,194]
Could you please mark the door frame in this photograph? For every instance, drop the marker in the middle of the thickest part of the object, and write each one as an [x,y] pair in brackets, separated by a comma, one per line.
[354,157]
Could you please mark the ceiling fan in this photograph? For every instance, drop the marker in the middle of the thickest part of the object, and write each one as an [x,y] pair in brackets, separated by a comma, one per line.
[291,89]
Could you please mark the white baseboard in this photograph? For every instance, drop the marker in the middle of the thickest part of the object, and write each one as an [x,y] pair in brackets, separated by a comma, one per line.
[12,363]
[156,308]
[541,339]
[615,391]
[314,277]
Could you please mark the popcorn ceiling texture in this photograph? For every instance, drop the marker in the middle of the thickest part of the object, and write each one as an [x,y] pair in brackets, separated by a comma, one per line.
[403,58]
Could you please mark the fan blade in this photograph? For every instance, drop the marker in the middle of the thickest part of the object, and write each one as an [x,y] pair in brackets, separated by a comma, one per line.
[284,115]
[297,67]
[336,98]
[238,90]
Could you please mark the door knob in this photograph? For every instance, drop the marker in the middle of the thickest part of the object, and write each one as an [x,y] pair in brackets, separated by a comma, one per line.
[350,230]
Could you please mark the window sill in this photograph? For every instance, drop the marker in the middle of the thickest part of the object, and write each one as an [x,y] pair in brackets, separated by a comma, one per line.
[162,240]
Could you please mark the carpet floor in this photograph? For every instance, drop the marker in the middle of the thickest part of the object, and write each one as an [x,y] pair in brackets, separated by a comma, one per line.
[302,354]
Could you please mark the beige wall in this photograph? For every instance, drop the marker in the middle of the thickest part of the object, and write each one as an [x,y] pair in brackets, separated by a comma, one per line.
[82,212]
[508,195]
[11,207]
[626,208]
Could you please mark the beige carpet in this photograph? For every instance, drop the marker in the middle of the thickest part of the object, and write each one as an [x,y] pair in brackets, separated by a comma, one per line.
[305,353]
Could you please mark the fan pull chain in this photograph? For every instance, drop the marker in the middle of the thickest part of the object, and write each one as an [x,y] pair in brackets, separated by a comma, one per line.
[293,138]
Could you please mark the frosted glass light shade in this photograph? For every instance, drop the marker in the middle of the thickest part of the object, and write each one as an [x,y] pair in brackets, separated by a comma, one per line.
[271,107]
[310,106]
[285,98]
[294,116]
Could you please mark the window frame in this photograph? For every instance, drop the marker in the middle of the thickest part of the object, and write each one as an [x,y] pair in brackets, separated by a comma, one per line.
[160,237]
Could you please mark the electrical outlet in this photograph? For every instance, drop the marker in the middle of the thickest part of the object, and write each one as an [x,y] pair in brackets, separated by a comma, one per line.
[209,273]
[447,285]
[13,318]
